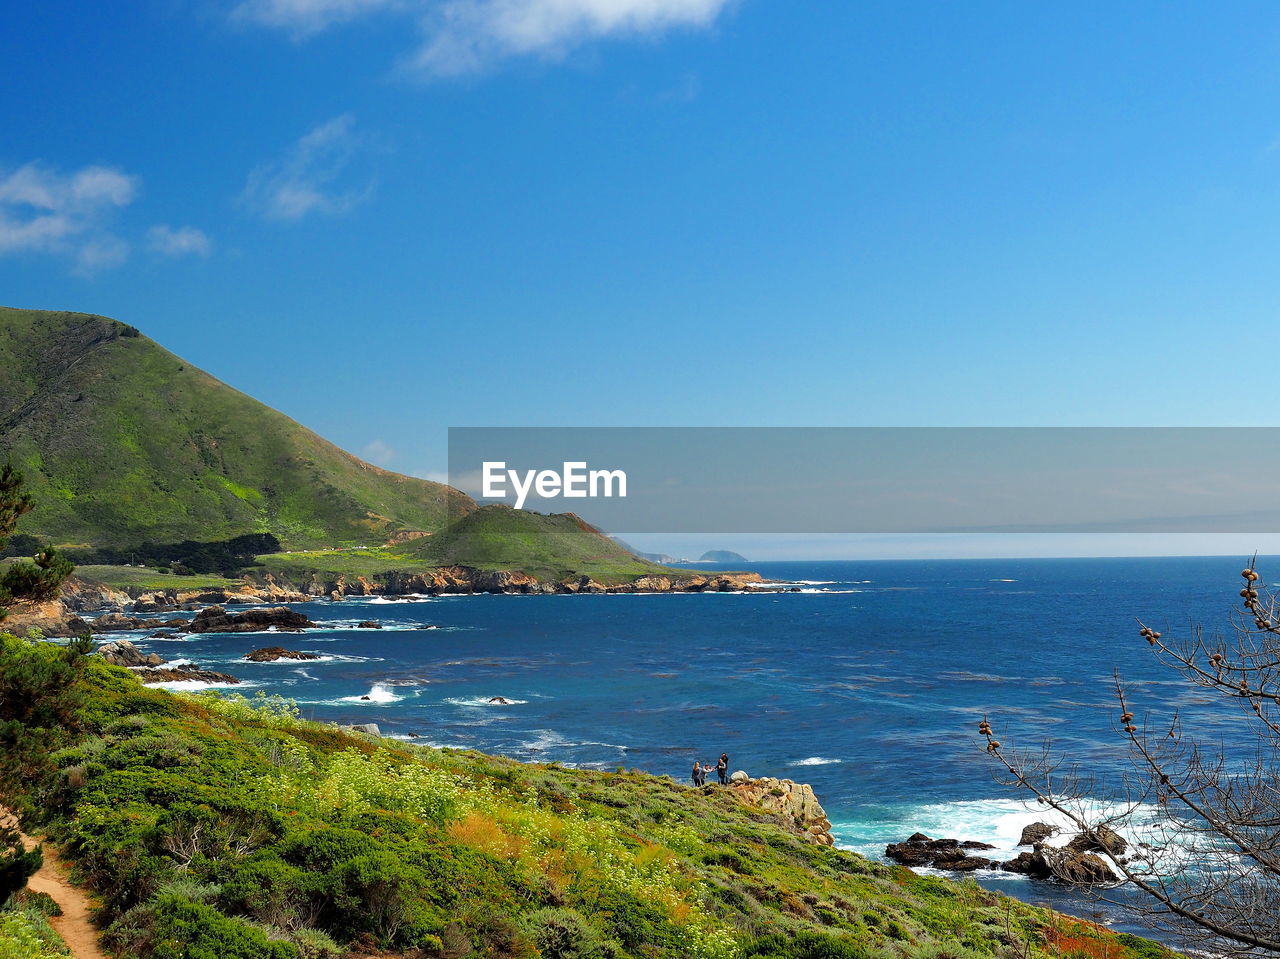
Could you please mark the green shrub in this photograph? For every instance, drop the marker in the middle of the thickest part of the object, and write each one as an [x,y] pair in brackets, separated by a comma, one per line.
[183,929]
[565,934]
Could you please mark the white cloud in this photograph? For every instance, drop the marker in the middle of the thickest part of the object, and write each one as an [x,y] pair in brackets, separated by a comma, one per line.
[379,452]
[464,36]
[313,177]
[180,241]
[69,214]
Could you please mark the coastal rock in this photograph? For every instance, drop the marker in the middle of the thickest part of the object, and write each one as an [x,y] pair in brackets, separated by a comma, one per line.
[1036,832]
[369,624]
[739,776]
[124,653]
[82,596]
[1073,868]
[269,654]
[215,619]
[150,668]
[1102,839]
[920,851]
[120,623]
[795,803]
[369,729]
[51,619]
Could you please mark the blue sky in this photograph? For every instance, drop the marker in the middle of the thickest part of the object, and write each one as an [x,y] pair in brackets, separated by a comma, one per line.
[386,217]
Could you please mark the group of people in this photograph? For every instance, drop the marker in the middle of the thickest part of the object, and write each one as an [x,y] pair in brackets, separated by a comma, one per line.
[701,769]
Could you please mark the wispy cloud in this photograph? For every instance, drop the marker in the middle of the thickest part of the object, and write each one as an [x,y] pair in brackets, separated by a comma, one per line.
[314,176]
[379,452]
[466,36]
[68,214]
[178,241]
[304,17]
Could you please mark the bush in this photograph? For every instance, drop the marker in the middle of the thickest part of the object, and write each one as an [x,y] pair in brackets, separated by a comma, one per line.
[183,929]
[566,934]
[39,580]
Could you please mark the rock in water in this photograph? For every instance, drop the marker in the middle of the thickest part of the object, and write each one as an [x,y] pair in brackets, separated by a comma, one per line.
[269,654]
[124,653]
[215,619]
[919,850]
[1103,839]
[369,624]
[1036,832]
[152,669]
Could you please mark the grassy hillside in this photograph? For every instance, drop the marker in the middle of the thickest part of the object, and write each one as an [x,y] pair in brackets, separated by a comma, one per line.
[222,828]
[123,442]
[548,547]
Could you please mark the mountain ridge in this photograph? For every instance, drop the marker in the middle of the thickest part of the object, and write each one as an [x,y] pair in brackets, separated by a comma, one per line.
[122,441]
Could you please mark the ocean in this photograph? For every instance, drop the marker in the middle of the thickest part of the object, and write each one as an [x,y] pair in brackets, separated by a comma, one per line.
[868,683]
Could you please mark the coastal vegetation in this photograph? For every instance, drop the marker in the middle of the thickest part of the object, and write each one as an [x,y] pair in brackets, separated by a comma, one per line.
[42,577]
[227,827]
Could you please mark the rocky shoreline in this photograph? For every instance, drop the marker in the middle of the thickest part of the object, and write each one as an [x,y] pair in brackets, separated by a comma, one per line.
[1083,861]
[60,618]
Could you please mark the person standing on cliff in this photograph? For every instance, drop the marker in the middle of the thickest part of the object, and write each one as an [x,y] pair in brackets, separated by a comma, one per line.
[722,769]
[697,773]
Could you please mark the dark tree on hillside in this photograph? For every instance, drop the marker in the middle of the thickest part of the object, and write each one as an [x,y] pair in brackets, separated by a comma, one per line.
[1211,871]
[13,501]
[38,580]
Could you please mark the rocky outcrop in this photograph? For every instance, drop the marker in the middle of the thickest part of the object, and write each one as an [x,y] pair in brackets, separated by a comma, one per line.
[1076,863]
[120,623]
[794,803]
[1103,839]
[269,654]
[150,668]
[368,624]
[124,653]
[215,619]
[81,596]
[919,851]
[1036,832]
[51,619]
[1078,869]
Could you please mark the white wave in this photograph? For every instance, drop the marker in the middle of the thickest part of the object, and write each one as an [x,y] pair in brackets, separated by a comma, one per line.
[1000,822]
[831,592]
[305,675]
[1003,581]
[380,695]
[179,662]
[816,761]
[323,658]
[482,701]
[389,600]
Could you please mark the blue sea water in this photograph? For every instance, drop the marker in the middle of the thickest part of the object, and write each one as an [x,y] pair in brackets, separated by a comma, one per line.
[868,684]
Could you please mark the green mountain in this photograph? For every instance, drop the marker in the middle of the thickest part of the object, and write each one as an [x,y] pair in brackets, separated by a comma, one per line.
[122,442]
[547,547]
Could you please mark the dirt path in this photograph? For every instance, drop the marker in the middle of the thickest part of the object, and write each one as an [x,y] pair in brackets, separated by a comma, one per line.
[74,925]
